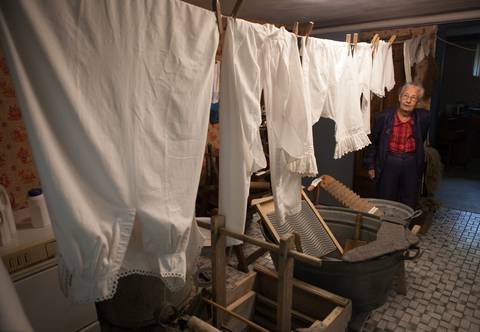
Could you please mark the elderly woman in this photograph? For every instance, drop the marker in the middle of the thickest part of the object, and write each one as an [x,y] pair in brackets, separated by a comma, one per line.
[395,159]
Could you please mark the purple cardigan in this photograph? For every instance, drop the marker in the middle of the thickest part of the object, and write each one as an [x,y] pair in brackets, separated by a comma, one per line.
[380,136]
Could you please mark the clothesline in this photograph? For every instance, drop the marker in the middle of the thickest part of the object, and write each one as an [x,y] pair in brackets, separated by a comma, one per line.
[295,26]
[456,45]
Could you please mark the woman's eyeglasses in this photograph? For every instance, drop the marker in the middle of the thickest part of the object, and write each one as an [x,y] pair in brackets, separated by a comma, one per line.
[413,98]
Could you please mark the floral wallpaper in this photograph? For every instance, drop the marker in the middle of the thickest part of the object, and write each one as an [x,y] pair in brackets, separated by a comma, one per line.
[17,170]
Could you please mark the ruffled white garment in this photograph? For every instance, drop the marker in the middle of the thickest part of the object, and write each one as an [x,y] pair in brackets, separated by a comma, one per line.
[334,90]
[289,122]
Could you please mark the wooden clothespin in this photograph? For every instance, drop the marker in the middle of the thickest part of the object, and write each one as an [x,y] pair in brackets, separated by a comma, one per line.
[236,8]
[308,30]
[355,40]
[374,39]
[391,40]
[348,40]
[295,28]
[218,11]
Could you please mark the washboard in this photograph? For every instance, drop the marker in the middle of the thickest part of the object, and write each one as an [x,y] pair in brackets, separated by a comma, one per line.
[344,195]
[312,235]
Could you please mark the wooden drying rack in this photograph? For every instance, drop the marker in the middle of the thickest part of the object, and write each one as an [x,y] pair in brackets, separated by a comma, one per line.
[286,256]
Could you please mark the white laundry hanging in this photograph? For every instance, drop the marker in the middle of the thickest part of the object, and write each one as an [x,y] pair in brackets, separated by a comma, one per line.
[414,51]
[289,124]
[241,151]
[383,76]
[318,65]
[216,84]
[334,91]
[363,57]
[115,95]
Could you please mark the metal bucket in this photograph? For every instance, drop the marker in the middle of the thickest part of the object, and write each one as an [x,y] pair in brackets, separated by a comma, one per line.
[366,283]
[395,210]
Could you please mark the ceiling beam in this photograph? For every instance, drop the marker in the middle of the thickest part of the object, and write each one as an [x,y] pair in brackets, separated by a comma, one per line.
[460,16]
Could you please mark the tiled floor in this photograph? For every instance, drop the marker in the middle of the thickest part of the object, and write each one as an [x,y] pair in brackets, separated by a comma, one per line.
[443,284]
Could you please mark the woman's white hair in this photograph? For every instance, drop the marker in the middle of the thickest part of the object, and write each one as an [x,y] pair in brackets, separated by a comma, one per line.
[419,88]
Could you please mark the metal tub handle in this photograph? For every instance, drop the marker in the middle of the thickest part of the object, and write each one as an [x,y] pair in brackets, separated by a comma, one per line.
[416,213]
[417,253]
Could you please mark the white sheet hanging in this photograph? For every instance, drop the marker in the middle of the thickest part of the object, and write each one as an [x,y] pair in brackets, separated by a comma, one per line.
[241,151]
[115,95]
[290,136]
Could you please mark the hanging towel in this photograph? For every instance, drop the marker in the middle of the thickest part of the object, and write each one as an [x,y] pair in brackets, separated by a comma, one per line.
[289,124]
[116,96]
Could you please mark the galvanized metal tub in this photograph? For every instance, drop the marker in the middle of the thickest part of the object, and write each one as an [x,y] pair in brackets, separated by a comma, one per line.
[396,210]
[366,283]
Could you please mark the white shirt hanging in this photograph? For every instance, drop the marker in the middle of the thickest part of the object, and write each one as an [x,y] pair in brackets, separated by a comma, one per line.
[289,123]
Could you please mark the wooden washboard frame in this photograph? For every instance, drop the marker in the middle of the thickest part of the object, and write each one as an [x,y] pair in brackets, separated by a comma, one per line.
[266,206]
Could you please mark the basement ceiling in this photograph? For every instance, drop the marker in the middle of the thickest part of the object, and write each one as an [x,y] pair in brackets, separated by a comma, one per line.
[332,13]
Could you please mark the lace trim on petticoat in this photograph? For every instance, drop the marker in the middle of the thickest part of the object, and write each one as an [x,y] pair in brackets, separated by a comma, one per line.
[351,143]
[306,165]
[172,280]
[165,277]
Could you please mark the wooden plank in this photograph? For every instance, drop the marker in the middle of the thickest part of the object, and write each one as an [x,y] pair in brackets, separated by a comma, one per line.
[219,264]
[244,306]
[262,200]
[241,287]
[284,286]
[243,319]
[272,247]
[255,255]
[324,224]
[242,262]
[236,8]
[333,316]
[295,313]
[264,208]
[335,299]
[198,325]
[336,321]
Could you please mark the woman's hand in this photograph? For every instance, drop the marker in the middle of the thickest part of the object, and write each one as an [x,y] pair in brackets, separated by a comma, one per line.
[371,174]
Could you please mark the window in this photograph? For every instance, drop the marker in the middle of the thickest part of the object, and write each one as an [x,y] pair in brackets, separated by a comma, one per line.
[476,62]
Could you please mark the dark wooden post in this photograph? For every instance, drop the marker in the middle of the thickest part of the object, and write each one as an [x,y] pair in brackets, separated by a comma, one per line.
[285,284]
[219,263]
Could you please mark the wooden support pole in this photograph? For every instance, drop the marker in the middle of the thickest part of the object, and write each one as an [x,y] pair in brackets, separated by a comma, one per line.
[235,10]
[285,284]
[218,12]
[274,248]
[219,263]
[295,28]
